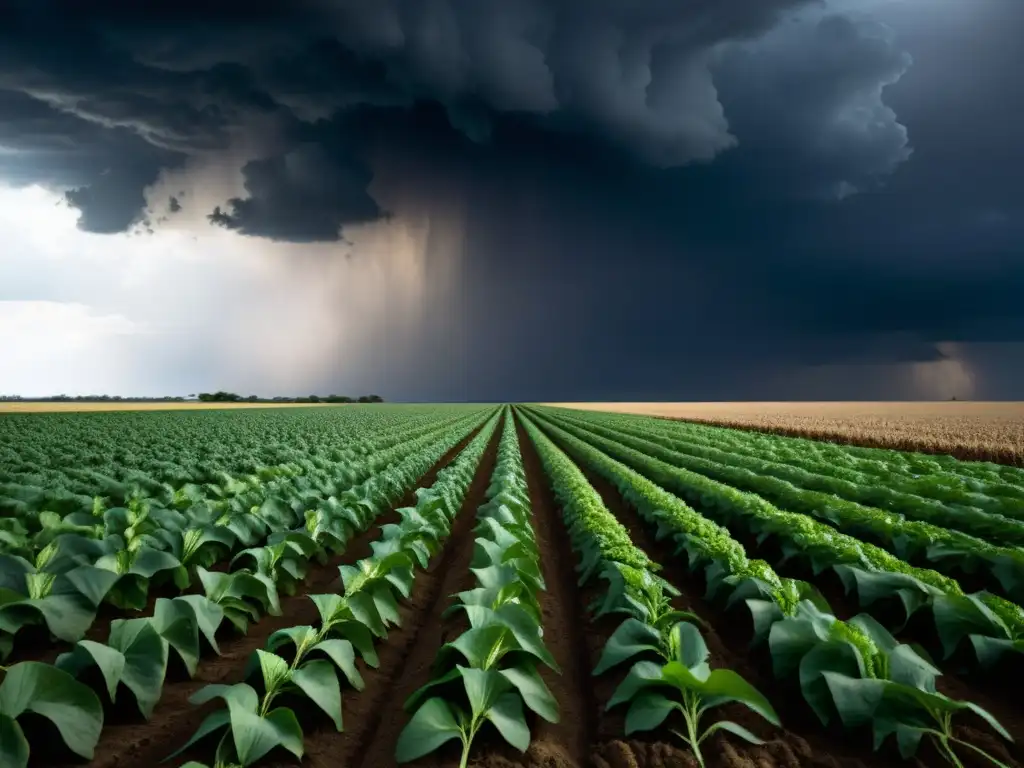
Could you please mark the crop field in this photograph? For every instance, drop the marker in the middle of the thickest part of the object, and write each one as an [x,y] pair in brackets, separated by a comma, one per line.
[974,431]
[500,586]
[46,406]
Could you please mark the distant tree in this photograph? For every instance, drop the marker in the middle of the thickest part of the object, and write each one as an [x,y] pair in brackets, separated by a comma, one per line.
[374,399]
[252,398]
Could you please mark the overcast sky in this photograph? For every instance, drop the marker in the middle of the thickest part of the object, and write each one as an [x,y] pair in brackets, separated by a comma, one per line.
[513,199]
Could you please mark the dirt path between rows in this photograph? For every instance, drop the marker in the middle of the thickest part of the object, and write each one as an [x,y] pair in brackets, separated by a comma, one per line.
[375,717]
[132,744]
[566,743]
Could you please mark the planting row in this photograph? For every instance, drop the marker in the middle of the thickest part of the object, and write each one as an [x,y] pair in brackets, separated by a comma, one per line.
[854,671]
[136,653]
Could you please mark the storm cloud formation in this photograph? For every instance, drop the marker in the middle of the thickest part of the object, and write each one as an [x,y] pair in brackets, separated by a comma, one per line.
[738,173]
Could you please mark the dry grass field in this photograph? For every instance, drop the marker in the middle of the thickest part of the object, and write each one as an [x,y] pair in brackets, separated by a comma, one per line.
[63,407]
[974,431]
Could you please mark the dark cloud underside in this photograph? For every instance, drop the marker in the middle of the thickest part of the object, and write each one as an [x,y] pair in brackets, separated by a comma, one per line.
[760,182]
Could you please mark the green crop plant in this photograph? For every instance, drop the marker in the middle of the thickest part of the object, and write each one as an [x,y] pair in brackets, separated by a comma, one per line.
[687,685]
[946,549]
[870,572]
[489,672]
[681,680]
[249,725]
[858,671]
[40,689]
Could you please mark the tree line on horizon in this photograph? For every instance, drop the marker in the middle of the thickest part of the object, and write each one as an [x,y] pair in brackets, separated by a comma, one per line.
[204,397]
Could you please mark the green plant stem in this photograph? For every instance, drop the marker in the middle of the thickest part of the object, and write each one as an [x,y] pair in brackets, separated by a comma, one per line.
[467,742]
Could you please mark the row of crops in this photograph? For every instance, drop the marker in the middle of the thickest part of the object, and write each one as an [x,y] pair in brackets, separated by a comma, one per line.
[859,591]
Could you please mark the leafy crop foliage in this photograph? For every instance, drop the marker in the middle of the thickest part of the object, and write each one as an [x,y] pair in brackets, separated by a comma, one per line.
[268,526]
[489,672]
[854,670]
[680,682]
[250,725]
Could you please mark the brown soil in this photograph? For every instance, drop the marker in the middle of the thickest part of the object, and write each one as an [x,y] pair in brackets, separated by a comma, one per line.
[374,717]
[134,744]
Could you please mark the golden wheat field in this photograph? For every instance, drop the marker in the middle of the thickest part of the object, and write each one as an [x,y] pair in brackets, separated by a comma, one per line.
[58,407]
[984,431]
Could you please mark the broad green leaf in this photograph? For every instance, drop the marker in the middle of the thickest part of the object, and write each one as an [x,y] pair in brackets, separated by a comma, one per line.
[72,707]
[856,699]
[90,582]
[647,711]
[213,723]
[479,643]
[644,674]
[384,600]
[535,692]
[274,668]
[318,681]
[836,657]
[506,713]
[145,654]
[365,610]
[176,623]
[343,654]
[424,691]
[208,616]
[297,636]
[110,662]
[255,736]
[693,651]
[630,639]
[432,726]
[13,744]
[483,687]
[726,683]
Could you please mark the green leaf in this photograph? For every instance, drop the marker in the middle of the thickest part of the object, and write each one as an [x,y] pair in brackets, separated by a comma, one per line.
[734,728]
[643,675]
[432,726]
[13,744]
[213,722]
[483,687]
[72,707]
[856,699]
[421,693]
[207,613]
[506,713]
[319,682]
[342,653]
[176,624]
[535,692]
[145,654]
[632,638]
[274,668]
[724,683]
[476,644]
[836,657]
[989,718]
[693,651]
[647,711]
[110,662]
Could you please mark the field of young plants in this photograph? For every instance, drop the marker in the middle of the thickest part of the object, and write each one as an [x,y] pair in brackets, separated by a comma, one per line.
[454,585]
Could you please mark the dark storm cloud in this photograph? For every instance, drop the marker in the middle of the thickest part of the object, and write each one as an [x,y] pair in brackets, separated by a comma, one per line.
[757,181]
[637,77]
[304,195]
